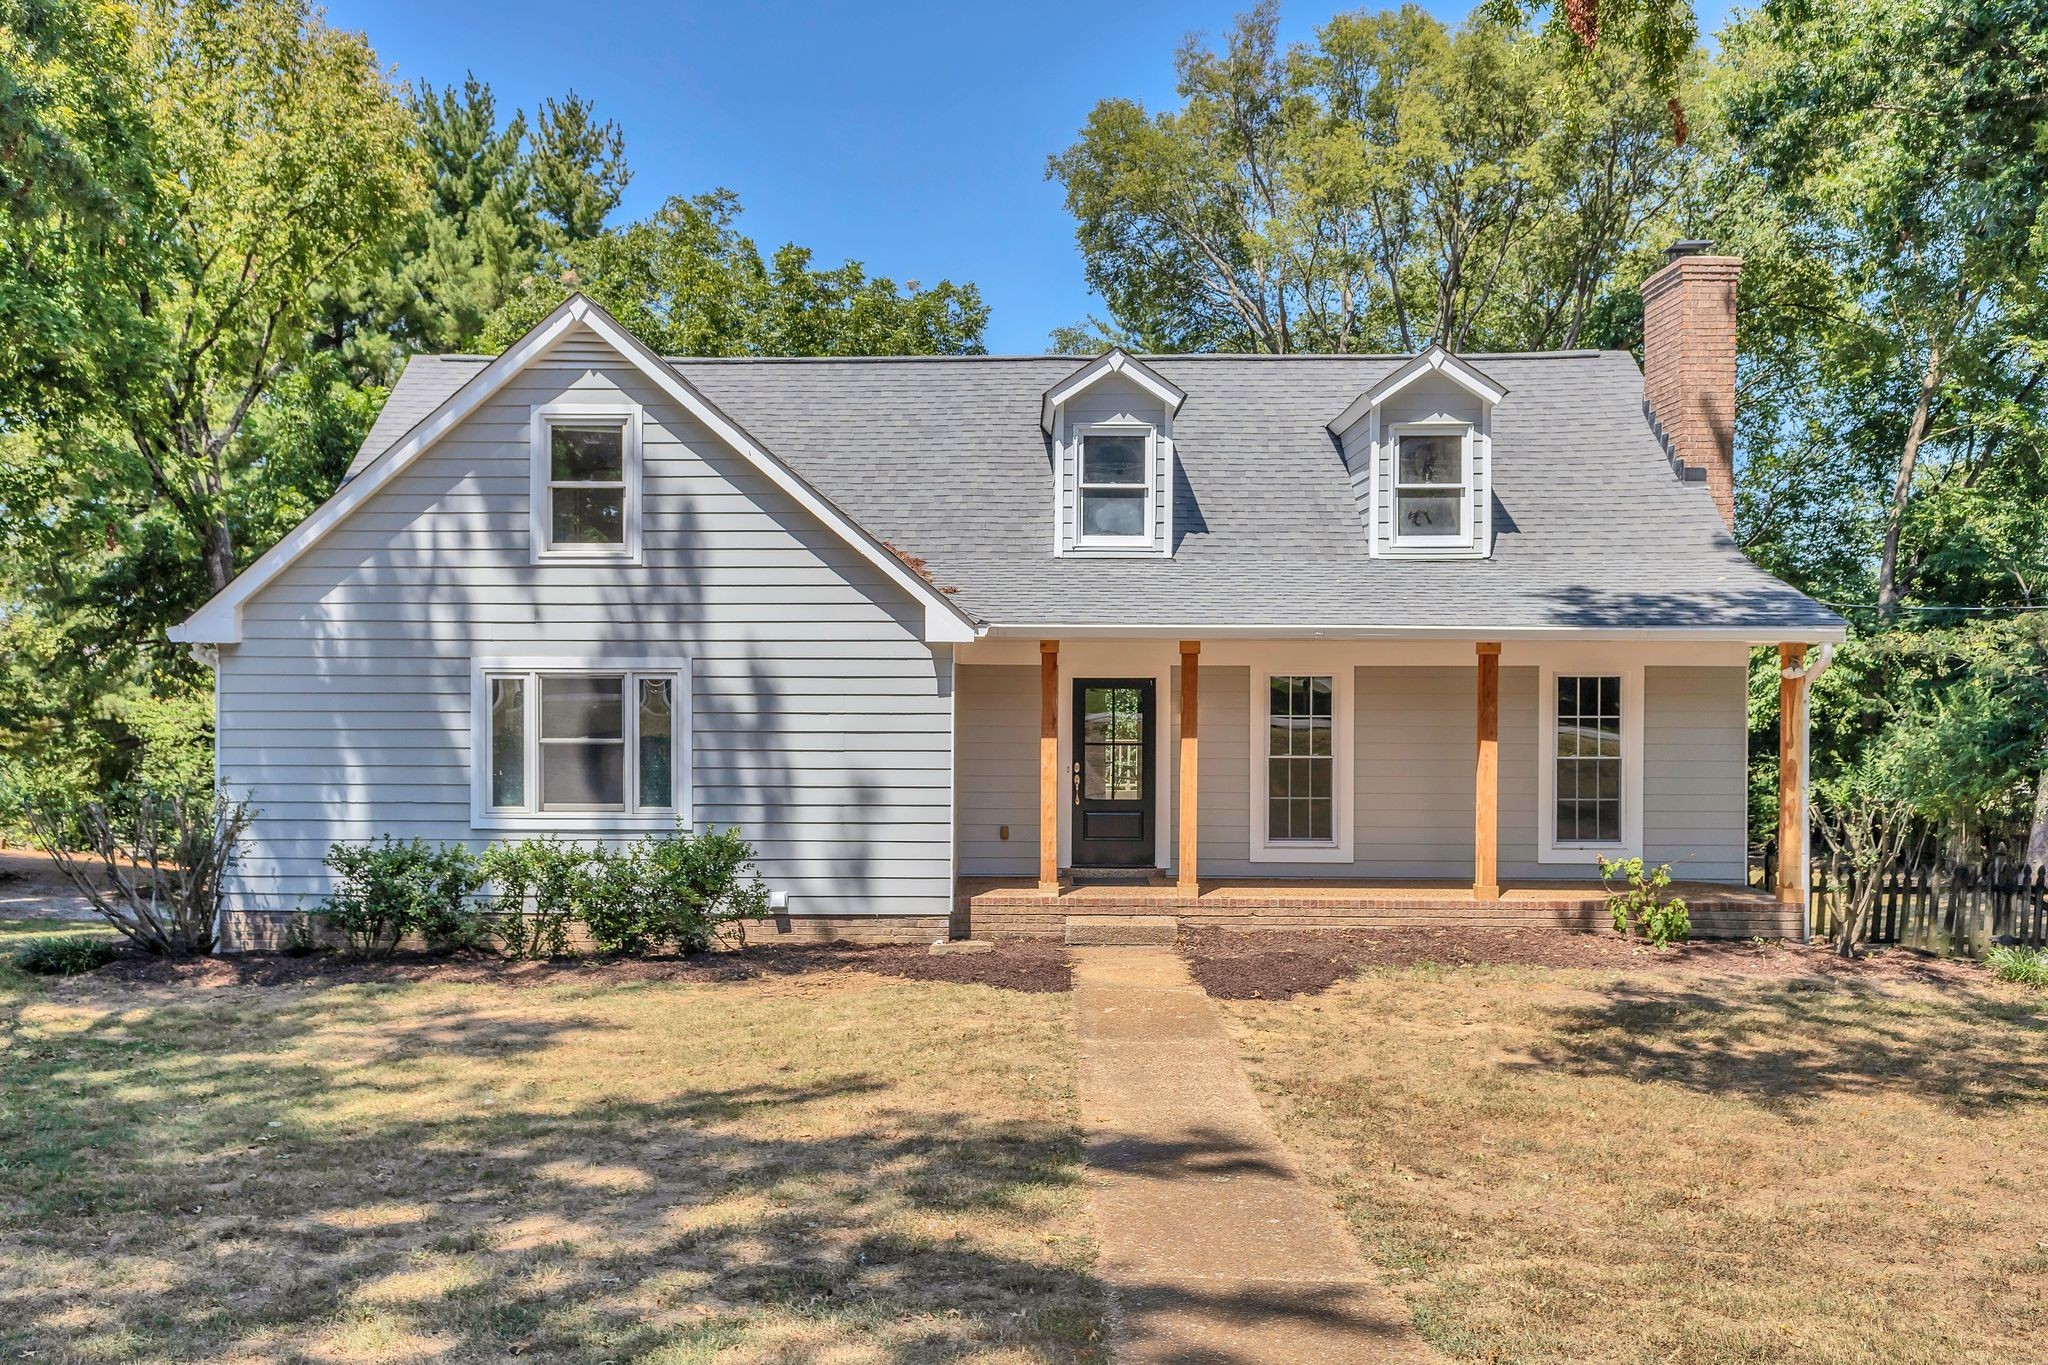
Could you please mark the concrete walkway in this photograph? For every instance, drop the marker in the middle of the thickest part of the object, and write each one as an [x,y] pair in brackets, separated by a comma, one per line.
[1215,1246]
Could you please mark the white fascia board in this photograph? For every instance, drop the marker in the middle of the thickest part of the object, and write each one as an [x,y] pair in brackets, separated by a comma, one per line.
[1747,635]
[219,621]
[1435,360]
[1114,361]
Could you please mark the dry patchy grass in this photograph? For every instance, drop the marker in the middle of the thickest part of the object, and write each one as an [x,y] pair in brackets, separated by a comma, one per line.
[1598,1166]
[828,1168]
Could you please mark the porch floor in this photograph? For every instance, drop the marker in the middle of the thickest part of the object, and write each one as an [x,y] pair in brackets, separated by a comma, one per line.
[1014,907]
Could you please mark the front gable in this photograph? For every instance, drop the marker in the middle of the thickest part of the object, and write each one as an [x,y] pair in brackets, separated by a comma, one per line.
[577,334]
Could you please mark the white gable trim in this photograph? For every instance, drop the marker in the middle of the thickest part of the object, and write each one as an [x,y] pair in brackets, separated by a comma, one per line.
[1434,360]
[220,620]
[1114,361]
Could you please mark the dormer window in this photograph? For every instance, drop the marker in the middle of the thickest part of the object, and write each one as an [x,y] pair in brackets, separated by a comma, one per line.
[1429,484]
[586,483]
[1109,433]
[1116,485]
[1418,447]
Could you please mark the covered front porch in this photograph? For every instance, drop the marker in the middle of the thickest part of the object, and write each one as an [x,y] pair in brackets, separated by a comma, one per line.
[1447,782]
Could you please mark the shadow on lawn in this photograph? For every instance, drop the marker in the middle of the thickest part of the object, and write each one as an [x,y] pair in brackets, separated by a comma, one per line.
[1783,1043]
[608,1230]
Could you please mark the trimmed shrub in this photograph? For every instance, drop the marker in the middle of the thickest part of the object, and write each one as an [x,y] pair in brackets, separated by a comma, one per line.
[685,892]
[389,889]
[536,885]
[66,954]
[2023,966]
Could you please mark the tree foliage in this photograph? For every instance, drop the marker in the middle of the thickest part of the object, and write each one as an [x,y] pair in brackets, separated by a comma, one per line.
[1395,182]
[688,282]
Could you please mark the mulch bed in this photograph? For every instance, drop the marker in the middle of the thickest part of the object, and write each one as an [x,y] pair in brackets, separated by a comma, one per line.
[1273,964]
[1017,966]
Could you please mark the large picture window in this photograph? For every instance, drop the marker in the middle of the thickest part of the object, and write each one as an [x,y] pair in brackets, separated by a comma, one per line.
[582,746]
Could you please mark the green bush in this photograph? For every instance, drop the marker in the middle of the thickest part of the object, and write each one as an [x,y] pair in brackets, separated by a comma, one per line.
[1641,905]
[537,884]
[2025,966]
[66,954]
[685,892]
[389,889]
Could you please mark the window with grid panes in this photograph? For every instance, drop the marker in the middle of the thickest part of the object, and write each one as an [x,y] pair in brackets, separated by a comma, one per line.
[1588,759]
[1300,760]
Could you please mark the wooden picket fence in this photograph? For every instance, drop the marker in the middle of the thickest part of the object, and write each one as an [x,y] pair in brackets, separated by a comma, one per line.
[1938,906]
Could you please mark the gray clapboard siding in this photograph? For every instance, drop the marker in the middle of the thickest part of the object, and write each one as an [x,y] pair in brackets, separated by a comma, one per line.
[1415,743]
[1696,771]
[998,770]
[821,723]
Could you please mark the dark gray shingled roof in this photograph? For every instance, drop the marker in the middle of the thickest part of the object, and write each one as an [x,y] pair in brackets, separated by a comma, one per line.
[944,459]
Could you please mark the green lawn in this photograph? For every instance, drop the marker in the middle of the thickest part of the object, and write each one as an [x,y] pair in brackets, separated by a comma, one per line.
[831,1167]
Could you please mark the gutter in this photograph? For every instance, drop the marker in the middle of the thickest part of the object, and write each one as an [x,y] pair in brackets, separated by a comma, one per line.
[1824,636]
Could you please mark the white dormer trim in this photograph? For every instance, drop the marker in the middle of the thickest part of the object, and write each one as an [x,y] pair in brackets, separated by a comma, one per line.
[1067,435]
[1434,360]
[1114,361]
[1369,433]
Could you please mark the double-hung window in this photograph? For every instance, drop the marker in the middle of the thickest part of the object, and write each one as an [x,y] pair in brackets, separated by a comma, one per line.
[1589,777]
[1301,731]
[1116,486]
[582,746]
[586,467]
[1429,485]
[1300,760]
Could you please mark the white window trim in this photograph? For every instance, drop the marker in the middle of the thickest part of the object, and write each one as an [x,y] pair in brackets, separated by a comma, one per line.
[482,815]
[1144,542]
[1342,774]
[544,418]
[1460,544]
[1548,849]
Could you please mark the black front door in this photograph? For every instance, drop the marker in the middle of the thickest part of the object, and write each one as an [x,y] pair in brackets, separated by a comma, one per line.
[1113,746]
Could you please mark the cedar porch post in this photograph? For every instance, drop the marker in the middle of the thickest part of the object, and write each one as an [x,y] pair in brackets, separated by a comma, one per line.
[1049,765]
[1190,764]
[1791,778]
[1486,784]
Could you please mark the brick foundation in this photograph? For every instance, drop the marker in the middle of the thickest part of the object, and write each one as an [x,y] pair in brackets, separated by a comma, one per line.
[265,931]
[1017,909]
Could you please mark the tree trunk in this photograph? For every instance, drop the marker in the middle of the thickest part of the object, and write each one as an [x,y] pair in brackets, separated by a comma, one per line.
[2037,833]
[217,546]
[1909,457]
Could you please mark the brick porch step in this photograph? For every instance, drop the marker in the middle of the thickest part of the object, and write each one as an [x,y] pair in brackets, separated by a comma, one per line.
[1108,931]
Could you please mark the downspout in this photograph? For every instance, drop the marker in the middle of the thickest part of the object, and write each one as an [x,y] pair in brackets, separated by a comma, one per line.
[1809,671]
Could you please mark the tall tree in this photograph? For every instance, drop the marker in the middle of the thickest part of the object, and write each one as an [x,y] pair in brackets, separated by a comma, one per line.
[1393,183]
[289,151]
[579,169]
[1902,148]
[688,282]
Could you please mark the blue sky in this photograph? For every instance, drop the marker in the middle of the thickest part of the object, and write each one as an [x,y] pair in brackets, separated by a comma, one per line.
[910,137]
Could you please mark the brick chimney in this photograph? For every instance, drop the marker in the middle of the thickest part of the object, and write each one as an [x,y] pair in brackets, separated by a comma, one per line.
[1689,363]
